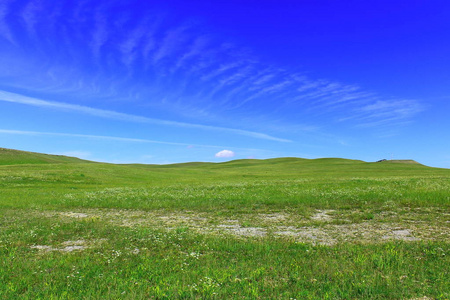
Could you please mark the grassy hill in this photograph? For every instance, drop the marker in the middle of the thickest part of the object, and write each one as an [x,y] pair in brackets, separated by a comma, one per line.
[14,157]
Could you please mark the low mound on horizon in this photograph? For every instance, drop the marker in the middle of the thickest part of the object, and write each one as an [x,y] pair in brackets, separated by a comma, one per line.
[404,161]
[400,161]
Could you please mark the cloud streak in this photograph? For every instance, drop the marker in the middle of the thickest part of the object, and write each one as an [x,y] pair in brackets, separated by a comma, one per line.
[115,139]
[20,99]
[4,28]
[384,112]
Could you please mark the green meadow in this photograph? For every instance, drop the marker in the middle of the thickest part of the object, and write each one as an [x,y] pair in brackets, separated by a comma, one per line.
[285,228]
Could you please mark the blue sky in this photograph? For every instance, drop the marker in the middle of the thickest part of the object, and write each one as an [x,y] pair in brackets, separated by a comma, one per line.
[176,81]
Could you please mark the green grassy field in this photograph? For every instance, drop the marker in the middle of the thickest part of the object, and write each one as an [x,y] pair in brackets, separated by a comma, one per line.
[285,228]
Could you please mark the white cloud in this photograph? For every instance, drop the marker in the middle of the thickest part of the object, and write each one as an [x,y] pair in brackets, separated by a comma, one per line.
[225,154]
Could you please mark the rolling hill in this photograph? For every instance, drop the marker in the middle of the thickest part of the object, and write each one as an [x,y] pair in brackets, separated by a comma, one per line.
[15,157]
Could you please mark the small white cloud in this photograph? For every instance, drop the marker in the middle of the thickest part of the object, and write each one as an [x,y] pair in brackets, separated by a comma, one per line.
[225,154]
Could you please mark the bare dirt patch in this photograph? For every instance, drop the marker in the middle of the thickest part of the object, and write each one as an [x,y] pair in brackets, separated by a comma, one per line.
[306,235]
[401,234]
[67,246]
[74,215]
[242,231]
[274,218]
[326,227]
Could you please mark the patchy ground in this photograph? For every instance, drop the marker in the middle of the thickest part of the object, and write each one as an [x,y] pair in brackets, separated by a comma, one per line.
[323,227]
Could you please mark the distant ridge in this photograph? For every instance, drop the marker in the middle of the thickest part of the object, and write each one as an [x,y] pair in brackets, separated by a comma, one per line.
[18,157]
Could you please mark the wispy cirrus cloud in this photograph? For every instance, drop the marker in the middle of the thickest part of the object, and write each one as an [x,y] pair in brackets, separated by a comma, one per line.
[31,16]
[173,39]
[100,34]
[5,30]
[196,48]
[130,46]
[145,59]
[96,137]
[19,99]
[117,139]
[384,112]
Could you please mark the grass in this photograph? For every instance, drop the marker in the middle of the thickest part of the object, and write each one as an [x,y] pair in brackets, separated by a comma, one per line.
[247,229]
